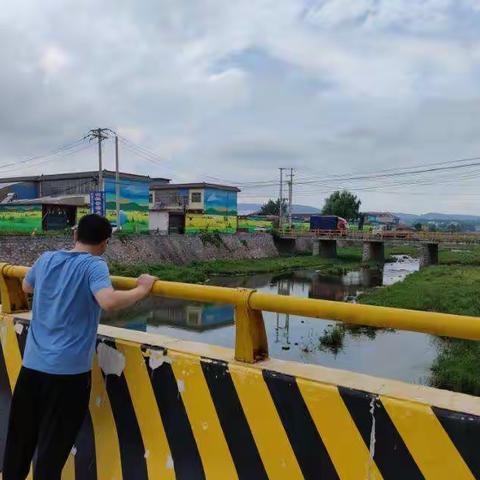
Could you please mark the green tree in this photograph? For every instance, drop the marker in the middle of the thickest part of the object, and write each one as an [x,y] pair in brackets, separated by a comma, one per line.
[344,204]
[418,227]
[272,207]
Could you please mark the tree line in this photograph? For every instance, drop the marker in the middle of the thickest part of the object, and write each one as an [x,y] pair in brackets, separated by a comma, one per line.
[341,203]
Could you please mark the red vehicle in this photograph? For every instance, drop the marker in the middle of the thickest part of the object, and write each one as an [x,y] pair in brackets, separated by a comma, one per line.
[326,224]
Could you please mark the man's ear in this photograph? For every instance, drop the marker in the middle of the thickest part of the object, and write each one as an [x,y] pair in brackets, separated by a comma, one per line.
[75,234]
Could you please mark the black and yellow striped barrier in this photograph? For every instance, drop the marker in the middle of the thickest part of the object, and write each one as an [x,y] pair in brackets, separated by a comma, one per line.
[164,408]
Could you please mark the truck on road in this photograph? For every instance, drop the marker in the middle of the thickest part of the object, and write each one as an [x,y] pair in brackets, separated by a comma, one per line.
[328,224]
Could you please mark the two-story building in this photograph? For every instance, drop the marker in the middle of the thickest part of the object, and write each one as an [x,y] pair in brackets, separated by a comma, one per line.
[193,208]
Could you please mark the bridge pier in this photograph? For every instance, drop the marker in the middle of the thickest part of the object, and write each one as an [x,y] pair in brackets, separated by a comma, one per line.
[373,251]
[429,254]
[285,245]
[325,248]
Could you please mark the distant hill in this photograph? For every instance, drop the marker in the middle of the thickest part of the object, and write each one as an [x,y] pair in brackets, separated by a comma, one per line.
[432,216]
[248,208]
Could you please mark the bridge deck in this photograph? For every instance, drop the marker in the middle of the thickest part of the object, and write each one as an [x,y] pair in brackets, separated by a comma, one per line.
[417,237]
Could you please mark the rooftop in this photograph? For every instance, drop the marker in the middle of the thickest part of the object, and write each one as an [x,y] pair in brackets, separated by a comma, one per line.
[170,186]
[73,175]
[73,200]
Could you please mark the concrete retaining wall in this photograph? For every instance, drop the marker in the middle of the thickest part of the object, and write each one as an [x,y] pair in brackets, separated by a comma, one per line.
[177,249]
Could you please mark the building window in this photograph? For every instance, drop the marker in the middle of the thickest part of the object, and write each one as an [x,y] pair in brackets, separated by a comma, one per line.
[150,197]
[196,197]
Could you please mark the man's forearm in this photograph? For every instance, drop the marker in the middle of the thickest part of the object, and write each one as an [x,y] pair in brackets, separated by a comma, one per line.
[121,299]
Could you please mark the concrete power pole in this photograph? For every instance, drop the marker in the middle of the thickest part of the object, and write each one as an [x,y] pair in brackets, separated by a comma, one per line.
[290,198]
[280,201]
[100,134]
[117,184]
[100,166]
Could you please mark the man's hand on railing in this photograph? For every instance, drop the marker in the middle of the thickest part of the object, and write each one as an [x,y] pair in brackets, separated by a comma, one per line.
[146,282]
[110,299]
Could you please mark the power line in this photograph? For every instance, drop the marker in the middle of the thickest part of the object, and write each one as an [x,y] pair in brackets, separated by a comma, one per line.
[54,152]
[58,156]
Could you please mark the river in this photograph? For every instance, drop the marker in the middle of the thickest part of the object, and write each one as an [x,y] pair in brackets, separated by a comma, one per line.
[391,354]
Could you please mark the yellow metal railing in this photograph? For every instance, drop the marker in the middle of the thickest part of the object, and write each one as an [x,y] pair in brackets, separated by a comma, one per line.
[251,341]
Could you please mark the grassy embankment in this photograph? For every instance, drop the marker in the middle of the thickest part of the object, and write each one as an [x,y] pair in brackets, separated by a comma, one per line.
[451,287]
[198,272]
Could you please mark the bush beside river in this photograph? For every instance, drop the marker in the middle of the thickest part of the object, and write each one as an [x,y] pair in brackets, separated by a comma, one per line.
[453,288]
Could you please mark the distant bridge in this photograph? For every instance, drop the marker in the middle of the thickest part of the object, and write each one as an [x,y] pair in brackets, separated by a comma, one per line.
[325,242]
[388,235]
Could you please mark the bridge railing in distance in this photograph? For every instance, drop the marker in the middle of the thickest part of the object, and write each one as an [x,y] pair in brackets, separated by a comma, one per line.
[250,337]
[434,237]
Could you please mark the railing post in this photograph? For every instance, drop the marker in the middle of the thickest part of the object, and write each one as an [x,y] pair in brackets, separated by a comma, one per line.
[251,343]
[12,296]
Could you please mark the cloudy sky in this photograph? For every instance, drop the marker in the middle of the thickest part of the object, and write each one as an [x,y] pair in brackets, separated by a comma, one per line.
[231,91]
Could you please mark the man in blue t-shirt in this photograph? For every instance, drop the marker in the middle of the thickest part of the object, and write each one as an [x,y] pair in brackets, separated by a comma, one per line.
[51,396]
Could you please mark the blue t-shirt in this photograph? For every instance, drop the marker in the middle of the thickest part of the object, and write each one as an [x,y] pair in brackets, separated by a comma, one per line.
[65,314]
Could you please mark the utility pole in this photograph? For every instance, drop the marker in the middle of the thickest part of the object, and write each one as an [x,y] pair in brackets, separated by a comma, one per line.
[100,134]
[100,166]
[290,197]
[280,201]
[117,184]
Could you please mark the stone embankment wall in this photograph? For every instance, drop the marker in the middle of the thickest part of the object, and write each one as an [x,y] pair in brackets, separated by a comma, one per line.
[134,249]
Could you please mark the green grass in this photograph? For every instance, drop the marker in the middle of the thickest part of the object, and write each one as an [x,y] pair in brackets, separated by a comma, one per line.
[333,338]
[199,272]
[442,288]
[464,256]
[449,289]
[456,367]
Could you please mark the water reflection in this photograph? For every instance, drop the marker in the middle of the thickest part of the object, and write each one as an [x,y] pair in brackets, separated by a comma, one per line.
[154,312]
[401,355]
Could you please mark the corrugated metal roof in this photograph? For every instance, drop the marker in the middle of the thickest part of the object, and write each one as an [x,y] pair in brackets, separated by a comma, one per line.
[71,200]
[173,186]
[65,176]
[7,184]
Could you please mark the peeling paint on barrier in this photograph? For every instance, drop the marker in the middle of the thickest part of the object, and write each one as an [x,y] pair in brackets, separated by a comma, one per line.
[19,328]
[157,358]
[110,360]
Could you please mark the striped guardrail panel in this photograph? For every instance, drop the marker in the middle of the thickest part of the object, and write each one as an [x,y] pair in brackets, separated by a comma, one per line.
[160,413]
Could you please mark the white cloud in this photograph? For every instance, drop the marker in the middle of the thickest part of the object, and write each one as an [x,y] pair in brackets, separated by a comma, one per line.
[234,89]
[53,59]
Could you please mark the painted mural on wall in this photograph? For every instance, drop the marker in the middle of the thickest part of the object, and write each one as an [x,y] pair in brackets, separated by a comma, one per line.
[254,224]
[133,204]
[20,218]
[220,202]
[198,223]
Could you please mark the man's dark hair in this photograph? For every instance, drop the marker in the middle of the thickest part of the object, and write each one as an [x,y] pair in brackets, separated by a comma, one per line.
[93,229]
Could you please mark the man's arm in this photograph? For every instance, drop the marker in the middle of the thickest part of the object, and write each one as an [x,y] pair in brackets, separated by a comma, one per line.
[110,299]
[28,282]
[26,287]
